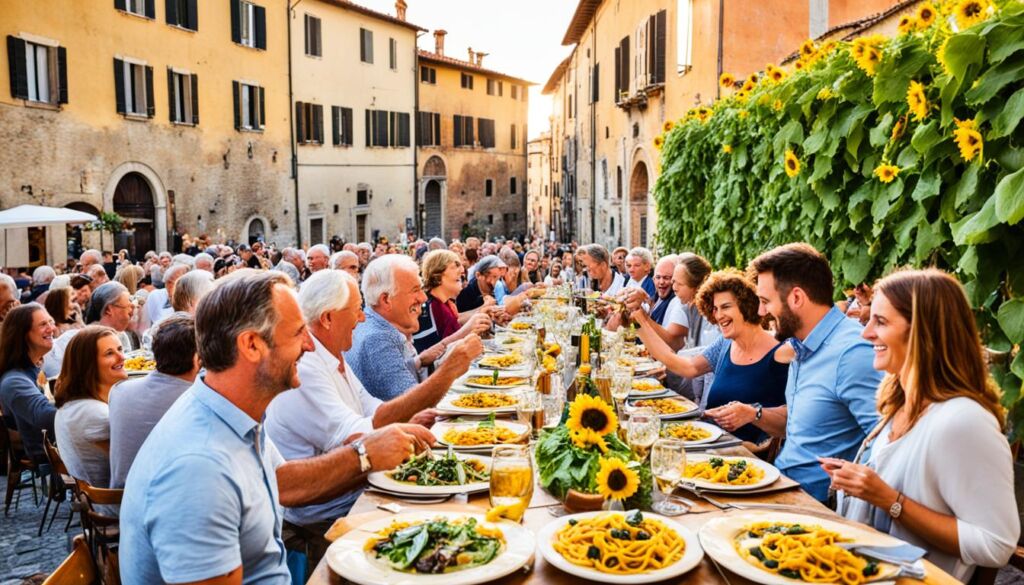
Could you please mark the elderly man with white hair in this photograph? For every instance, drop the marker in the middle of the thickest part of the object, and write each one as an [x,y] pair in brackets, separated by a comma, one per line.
[158,303]
[41,279]
[318,257]
[203,261]
[293,261]
[88,258]
[347,261]
[382,354]
[436,244]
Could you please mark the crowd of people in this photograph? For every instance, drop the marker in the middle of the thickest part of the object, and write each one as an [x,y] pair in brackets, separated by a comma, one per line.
[282,378]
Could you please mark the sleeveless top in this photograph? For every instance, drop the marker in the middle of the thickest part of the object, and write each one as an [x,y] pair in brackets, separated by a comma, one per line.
[763,381]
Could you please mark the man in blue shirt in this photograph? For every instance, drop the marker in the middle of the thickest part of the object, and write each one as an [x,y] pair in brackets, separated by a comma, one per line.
[830,393]
[202,501]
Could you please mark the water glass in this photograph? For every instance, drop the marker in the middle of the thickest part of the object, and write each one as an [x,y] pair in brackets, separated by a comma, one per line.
[668,461]
[530,411]
[644,427]
[511,482]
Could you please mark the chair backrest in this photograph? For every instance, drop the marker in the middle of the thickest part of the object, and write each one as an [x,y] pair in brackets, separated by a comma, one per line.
[77,569]
[100,496]
[53,456]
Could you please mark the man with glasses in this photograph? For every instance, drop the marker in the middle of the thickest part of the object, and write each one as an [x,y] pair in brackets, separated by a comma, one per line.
[112,306]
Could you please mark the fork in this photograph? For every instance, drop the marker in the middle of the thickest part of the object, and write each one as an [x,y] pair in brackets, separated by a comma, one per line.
[693,489]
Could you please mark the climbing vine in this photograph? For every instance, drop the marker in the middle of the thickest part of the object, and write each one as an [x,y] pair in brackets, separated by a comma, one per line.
[881,152]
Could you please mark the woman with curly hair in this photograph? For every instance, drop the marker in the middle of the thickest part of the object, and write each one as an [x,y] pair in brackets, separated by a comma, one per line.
[749,375]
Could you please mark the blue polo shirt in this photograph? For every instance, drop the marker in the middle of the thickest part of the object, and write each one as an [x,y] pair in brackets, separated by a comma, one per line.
[201,498]
[830,399]
[382,357]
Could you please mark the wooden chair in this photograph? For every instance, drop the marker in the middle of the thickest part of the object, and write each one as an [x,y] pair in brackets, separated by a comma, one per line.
[101,530]
[17,464]
[59,484]
[78,568]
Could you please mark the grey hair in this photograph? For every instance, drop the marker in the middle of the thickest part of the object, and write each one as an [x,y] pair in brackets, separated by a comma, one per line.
[174,272]
[290,254]
[643,254]
[489,262]
[104,295]
[203,257]
[166,254]
[326,290]
[319,247]
[673,258]
[43,275]
[365,246]
[184,259]
[437,244]
[60,281]
[241,301]
[596,251]
[7,282]
[190,289]
[379,276]
[96,255]
[335,262]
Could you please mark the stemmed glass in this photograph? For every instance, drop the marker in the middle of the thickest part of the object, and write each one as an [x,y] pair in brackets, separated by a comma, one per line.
[644,427]
[668,461]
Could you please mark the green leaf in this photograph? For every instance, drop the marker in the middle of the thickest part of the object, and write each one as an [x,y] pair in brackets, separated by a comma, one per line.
[1009,116]
[1009,198]
[963,51]
[1004,40]
[967,187]
[1017,366]
[926,136]
[974,228]
[879,135]
[1011,319]
[994,80]
[856,266]
[928,185]
[969,261]
[895,73]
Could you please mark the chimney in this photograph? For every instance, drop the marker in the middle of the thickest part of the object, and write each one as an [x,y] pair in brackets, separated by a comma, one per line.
[472,55]
[439,41]
[400,7]
[480,58]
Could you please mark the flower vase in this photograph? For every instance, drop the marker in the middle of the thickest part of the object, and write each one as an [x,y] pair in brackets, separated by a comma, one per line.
[577,501]
[613,505]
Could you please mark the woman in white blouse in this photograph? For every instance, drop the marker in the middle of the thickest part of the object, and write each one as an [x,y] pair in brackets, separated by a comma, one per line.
[939,474]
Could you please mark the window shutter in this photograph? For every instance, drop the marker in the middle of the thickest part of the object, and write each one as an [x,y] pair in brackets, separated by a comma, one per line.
[305,21]
[170,95]
[335,125]
[318,123]
[382,128]
[659,47]
[437,129]
[19,74]
[261,27]
[150,9]
[318,41]
[301,132]
[236,20]
[420,128]
[195,98]
[263,109]
[392,129]
[62,75]
[235,90]
[150,105]
[595,82]
[618,73]
[457,131]
[192,16]
[171,10]
[118,85]
[346,126]
[119,4]
[625,65]
[403,129]
[368,141]
[467,122]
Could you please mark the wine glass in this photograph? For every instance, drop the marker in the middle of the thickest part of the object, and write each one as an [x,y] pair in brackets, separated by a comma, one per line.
[511,482]
[668,461]
[644,427]
[530,411]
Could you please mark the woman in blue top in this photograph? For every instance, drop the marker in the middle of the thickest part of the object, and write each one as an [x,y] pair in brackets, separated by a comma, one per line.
[749,366]
[26,336]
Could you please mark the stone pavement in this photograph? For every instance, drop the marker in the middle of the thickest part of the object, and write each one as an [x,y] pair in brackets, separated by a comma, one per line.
[23,554]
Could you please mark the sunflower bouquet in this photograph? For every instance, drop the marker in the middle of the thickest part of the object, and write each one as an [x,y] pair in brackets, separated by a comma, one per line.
[586,455]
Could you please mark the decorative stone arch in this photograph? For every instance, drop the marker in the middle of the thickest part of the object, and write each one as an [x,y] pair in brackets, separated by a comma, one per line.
[156,186]
[433,190]
[244,234]
[640,181]
[436,167]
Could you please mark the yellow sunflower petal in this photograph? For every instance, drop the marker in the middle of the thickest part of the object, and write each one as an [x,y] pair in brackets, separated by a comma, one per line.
[887,173]
[615,479]
[792,164]
[590,412]
[970,12]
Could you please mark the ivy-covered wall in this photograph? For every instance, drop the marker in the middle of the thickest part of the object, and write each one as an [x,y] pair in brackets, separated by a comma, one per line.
[881,153]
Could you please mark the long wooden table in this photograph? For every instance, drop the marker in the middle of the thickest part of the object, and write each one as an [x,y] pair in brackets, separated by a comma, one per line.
[706,573]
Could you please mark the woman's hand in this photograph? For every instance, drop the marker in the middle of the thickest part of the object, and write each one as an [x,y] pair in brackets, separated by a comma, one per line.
[860,481]
[733,415]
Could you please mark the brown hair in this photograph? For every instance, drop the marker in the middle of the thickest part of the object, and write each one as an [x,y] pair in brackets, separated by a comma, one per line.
[56,304]
[732,281]
[696,266]
[944,352]
[80,373]
[129,275]
[13,337]
[174,344]
[797,265]
[434,265]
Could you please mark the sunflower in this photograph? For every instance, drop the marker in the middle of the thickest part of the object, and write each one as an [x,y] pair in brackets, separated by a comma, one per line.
[659,141]
[971,12]
[615,480]
[898,128]
[584,438]
[886,173]
[925,15]
[825,93]
[869,59]
[968,139]
[941,56]
[776,74]
[741,95]
[777,105]
[727,148]
[743,114]
[917,101]
[792,164]
[807,48]
[727,80]
[668,126]
[748,86]
[589,412]
[907,24]
[799,65]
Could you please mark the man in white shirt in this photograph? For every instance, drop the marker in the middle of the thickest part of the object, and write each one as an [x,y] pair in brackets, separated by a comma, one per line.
[601,276]
[158,303]
[639,262]
[318,257]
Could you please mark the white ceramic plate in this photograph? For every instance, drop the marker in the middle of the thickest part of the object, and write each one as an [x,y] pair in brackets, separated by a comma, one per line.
[439,429]
[446,406]
[690,559]
[381,480]
[661,391]
[771,473]
[718,535]
[693,409]
[347,557]
[526,382]
[715,431]
[516,366]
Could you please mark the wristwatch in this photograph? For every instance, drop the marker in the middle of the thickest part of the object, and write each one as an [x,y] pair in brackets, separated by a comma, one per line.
[757,410]
[897,507]
[364,459]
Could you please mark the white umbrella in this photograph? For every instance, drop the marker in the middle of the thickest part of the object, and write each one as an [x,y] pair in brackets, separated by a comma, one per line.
[24,216]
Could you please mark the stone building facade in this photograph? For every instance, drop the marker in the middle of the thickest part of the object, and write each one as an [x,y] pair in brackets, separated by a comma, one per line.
[538,185]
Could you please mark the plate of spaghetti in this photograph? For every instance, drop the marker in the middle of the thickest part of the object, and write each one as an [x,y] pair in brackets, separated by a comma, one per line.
[778,548]
[721,473]
[431,548]
[692,432]
[647,387]
[495,382]
[478,403]
[619,547]
[668,407]
[501,361]
[479,435]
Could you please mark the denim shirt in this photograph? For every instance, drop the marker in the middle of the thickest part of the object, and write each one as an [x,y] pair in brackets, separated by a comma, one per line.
[202,499]
[382,357]
[830,399]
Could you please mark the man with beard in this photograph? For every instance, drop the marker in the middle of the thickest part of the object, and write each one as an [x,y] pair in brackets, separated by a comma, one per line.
[382,354]
[202,499]
[830,394]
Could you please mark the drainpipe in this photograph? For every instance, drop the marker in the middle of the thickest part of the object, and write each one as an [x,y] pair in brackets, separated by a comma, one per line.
[721,27]
[593,134]
[291,131]
[415,147]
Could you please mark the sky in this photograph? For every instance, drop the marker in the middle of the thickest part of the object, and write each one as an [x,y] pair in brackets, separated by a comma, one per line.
[523,38]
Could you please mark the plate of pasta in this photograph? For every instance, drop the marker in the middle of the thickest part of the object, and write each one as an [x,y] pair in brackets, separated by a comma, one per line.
[647,388]
[480,435]
[494,380]
[691,432]
[729,473]
[501,361]
[619,547]
[431,548]
[779,548]
[431,473]
[478,403]
[668,407]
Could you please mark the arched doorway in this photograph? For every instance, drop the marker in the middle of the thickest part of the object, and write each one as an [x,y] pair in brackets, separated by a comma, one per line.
[638,187]
[75,235]
[133,200]
[257,231]
[432,208]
